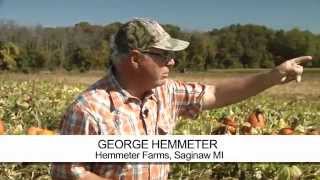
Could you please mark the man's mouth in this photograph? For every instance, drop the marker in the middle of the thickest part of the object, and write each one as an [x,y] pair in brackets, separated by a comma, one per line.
[165,75]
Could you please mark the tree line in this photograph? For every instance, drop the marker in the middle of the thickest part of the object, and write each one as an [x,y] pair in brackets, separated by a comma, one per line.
[84,47]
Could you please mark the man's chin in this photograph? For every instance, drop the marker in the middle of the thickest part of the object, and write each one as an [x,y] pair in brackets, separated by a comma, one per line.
[161,82]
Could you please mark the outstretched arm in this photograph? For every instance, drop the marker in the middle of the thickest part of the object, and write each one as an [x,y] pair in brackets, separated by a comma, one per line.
[234,90]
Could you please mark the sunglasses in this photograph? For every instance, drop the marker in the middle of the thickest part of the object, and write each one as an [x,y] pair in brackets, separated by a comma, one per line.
[166,56]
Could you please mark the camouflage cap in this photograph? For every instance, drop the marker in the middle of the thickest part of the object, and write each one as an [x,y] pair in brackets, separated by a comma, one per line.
[143,34]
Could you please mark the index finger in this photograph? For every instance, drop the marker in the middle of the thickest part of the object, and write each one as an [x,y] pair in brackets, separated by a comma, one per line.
[302,59]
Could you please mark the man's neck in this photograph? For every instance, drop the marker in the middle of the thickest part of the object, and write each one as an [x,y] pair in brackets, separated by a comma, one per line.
[129,83]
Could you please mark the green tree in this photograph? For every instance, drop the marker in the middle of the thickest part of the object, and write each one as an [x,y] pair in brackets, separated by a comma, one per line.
[31,60]
[110,30]
[197,51]
[81,59]
[181,61]
[9,53]
[101,55]
[56,60]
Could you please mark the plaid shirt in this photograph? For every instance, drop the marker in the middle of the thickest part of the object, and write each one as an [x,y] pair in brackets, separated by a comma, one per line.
[106,108]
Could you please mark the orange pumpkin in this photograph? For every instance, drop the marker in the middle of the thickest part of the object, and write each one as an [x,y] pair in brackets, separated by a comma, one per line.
[231,129]
[256,119]
[224,129]
[2,127]
[34,131]
[246,128]
[230,121]
[47,132]
[313,131]
[286,131]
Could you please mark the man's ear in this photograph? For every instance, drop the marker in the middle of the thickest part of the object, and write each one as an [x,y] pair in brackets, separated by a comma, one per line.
[135,57]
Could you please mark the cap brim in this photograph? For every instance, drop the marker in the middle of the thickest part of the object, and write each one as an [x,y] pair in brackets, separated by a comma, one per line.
[172,44]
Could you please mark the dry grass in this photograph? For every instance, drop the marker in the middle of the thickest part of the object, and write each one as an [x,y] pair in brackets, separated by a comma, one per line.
[63,77]
[308,88]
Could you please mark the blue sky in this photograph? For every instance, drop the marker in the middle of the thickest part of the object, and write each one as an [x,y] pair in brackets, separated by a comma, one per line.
[189,15]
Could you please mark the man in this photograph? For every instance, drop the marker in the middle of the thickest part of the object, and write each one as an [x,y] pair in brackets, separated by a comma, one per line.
[137,98]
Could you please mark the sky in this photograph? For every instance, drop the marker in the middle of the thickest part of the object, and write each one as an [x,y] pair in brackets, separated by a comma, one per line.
[201,15]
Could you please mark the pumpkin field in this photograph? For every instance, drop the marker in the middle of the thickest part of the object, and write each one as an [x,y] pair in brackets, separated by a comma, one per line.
[33,104]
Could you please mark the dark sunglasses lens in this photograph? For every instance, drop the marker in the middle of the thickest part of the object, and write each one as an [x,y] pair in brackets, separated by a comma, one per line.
[170,56]
[166,56]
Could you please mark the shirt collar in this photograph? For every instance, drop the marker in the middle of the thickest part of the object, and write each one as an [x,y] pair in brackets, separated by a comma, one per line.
[120,96]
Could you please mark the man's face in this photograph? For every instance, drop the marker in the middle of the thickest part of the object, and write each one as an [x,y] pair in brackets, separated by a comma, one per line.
[155,66]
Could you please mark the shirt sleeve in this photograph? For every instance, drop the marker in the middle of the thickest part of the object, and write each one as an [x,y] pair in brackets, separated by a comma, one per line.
[187,97]
[79,121]
[76,121]
[62,171]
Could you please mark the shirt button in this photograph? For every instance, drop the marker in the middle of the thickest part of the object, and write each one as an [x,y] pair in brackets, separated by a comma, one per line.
[145,113]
